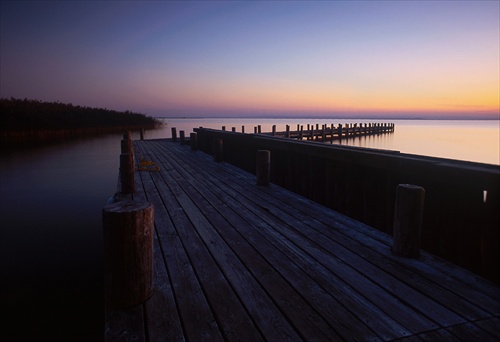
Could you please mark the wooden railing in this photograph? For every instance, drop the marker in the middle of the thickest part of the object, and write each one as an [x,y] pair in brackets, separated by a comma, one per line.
[461,220]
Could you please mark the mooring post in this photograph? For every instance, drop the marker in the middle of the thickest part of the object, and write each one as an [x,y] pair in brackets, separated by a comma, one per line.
[259,129]
[142,133]
[126,143]
[174,134]
[182,137]
[263,171]
[193,137]
[233,129]
[243,129]
[127,173]
[287,131]
[128,252]
[407,228]
[274,130]
[219,151]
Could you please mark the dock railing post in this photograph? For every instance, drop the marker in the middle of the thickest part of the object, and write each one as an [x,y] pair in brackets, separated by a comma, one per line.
[174,134]
[407,228]
[219,150]
[263,171]
[128,252]
[126,143]
[127,184]
[193,139]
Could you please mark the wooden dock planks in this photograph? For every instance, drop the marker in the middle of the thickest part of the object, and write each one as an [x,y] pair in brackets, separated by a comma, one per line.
[236,261]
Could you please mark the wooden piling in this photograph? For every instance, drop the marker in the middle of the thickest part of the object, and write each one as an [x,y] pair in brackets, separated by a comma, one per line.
[193,137]
[182,137]
[126,143]
[263,171]
[174,134]
[219,150]
[407,228]
[128,252]
[127,173]
[142,133]
[274,130]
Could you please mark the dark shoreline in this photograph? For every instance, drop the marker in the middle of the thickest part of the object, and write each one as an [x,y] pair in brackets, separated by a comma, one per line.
[30,137]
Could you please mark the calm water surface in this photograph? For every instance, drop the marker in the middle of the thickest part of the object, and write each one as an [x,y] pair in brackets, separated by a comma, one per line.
[51,199]
[51,243]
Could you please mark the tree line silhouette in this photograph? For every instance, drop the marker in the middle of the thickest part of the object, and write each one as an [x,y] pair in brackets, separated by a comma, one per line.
[33,114]
[36,119]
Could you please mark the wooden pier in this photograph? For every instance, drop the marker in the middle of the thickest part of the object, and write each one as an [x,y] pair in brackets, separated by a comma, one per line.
[238,261]
[325,132]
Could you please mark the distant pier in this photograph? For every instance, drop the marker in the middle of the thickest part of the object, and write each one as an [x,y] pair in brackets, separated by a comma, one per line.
[324,132]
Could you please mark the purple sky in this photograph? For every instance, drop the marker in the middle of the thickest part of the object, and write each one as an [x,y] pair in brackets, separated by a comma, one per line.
[285,58]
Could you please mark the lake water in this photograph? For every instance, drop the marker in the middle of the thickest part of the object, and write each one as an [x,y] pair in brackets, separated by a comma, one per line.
[51,199]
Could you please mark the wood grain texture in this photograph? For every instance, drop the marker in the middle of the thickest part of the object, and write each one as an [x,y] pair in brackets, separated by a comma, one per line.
[235,261]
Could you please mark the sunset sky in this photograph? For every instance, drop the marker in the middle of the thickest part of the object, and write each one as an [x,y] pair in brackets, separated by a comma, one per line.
[262,58]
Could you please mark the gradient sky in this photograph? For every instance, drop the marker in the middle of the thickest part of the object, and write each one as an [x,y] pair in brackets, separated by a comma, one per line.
[336,58]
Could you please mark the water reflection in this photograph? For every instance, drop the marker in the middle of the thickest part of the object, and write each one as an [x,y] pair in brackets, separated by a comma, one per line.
[51,240]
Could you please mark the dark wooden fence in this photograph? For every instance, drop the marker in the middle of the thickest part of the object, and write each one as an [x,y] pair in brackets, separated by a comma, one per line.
[461,220]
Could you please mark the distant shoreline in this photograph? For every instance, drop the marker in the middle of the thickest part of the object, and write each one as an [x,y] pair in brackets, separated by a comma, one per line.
[32,121]
[325,118]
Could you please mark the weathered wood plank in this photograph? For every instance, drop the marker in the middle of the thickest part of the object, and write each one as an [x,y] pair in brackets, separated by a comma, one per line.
[461,280]
[458,305]
[236,261]
[255,222]
[289,298]
[270,321]
[356,282]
